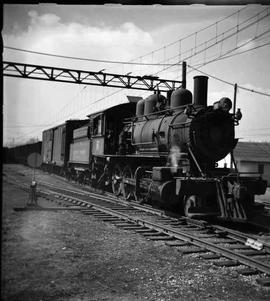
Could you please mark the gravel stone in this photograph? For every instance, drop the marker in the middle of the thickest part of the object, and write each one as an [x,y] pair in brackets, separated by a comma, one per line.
[65,255]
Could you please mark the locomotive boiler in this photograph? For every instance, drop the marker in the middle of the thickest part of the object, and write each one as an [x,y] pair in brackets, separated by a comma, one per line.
[205,131]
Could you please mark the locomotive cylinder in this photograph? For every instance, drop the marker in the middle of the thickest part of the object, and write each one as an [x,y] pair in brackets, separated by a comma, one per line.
[200,90]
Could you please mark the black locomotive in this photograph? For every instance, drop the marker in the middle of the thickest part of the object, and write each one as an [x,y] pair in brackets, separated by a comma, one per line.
[166,149]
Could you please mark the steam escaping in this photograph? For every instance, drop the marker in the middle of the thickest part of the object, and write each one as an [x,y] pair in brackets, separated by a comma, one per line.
[177,161]
[174,157]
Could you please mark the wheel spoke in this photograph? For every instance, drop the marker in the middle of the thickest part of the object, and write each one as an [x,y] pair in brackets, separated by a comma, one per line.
[190,203]
[128,189]
[116,180]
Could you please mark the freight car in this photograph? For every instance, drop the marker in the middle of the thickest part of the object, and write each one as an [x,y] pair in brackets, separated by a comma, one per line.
[55,145]
[20,153]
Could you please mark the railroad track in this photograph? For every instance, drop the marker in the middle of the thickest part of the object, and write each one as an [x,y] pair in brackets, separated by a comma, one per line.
[266,204]
[224,246]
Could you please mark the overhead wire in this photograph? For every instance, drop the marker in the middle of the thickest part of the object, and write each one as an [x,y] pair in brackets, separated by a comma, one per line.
[237,47]
[85,59]
[229,83]
[215,39]
[221,40]
[152,52]
[214,59]
[188,36]
[131,61]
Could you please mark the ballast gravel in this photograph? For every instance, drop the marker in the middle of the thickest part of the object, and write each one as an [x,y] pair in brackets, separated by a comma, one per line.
[65,255]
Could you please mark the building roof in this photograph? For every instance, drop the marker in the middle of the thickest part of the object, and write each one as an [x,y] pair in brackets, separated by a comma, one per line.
[134,98]
[252,151]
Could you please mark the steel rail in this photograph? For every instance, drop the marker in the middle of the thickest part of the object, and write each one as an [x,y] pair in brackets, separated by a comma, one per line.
[178,234]
[234,234]
[174,233]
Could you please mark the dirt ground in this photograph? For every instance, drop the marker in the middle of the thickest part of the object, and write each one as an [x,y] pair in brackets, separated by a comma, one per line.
[66,255]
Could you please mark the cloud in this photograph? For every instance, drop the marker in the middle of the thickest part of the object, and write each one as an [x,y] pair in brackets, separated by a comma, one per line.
[47,33]
[46,19]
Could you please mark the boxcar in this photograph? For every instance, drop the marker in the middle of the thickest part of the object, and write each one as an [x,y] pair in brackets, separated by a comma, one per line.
[55,145]
[80,148]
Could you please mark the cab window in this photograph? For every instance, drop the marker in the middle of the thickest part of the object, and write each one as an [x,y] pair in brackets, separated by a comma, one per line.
[98,125]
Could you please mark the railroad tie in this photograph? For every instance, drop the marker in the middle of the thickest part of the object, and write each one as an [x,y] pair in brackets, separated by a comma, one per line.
[133,227]
[142,231]
[152,234]
[113,220]
[205,235]
[124,209]
[227,263]
[264,281]
[177,243]
[100,214]
[210,256]
[221,240]
[253,252]
[122,224]
[248,272]
[161,237]
[238,247]
[89,212]
[191,250]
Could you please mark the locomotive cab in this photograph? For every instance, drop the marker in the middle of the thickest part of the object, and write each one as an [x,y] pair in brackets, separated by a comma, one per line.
[107,127]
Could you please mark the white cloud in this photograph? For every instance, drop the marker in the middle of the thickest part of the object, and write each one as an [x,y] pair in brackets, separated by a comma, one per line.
[46,19]
[47,33]
[39,100]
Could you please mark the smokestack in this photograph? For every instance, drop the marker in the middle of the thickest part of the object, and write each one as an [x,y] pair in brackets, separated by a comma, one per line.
[200,90]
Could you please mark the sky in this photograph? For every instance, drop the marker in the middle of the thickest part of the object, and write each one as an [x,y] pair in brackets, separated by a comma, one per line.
[144,34]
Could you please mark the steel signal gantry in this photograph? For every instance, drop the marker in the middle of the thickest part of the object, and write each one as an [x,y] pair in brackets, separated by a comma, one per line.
[146,82]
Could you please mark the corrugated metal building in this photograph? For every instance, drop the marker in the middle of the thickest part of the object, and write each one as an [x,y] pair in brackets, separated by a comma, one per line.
[253,157]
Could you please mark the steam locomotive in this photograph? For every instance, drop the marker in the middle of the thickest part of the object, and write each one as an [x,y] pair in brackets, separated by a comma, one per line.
[161,149]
